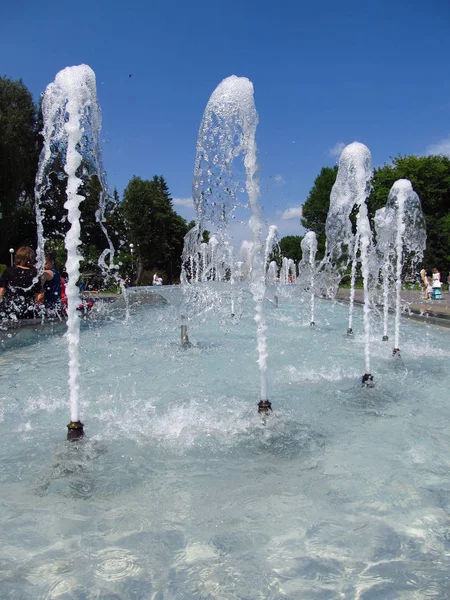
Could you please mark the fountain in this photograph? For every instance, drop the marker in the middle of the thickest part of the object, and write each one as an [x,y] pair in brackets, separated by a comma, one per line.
[307,265]
[350,190]
[410,237]
[227,135]
[71,129]
[385,232]
[343,493]
[353,481]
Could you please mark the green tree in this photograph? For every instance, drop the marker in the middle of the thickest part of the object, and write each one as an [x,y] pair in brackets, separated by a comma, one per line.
[315,207]
[154,228]
[288,247]
[18,165]
[430,178]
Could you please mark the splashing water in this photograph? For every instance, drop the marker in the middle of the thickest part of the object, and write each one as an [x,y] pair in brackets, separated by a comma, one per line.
[272,273]
[354,254]
[227,132]
[350,190]
[385,231]
[308,263]
[288,273]
[71,127]
[365,236]
[410,235]
[338,226]
[271,241]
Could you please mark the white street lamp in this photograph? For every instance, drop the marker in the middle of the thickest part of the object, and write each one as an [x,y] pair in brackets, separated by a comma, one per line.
[11,251]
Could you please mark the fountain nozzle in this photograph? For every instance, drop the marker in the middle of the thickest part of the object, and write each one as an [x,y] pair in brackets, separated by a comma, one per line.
[312,324]
[396,352]
[349,331]
[75,430]
[385,338]
[264,406]
[367,380]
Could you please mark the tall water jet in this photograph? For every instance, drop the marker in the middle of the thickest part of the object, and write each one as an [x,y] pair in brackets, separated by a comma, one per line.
[365,236]
[245,265]
[71,129]
[354,254]
[410,238]
[272,273]
[308,265]
[288,273]
[227,132]
[338,226]
[271,268]
[271,241]
[385,248]
[351,189]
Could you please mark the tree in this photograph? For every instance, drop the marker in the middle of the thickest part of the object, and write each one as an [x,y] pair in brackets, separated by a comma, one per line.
[154,228]
[288,247]
[315,207]
[430,178]
[18,165]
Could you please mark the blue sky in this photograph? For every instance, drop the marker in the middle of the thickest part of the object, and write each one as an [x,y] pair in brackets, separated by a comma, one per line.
[325,74]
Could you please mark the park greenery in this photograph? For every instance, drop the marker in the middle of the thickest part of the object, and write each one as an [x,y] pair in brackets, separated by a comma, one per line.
[430,178]
[143,227]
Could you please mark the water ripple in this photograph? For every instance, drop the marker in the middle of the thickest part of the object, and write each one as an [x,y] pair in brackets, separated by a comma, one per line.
[115,564]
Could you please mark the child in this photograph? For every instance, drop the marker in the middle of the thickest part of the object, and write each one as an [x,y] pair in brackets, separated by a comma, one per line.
[429,288]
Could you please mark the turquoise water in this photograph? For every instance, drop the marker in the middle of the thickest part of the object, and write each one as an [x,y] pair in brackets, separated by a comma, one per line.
[179,491]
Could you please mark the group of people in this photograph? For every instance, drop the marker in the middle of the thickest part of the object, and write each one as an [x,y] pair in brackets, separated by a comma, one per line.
[26,295]
[431,284]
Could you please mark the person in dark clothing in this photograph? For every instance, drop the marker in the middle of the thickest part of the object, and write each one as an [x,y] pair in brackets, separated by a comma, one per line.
[20,287]
[51,280]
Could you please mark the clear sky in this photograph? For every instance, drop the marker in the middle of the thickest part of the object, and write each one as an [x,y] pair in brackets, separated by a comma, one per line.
[325,74]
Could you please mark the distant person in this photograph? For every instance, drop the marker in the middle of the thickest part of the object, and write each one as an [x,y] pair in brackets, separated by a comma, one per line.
[52,285]
[159,281]
[436,278]
[448,283]
[436,282]
[20,286]
[63,294]
[424,284]
[155,279]
[429,287]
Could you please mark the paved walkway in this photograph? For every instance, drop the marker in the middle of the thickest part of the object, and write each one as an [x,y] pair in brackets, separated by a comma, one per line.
[414,306]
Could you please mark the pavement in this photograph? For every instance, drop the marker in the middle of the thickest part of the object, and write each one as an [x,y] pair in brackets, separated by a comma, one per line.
[435,312]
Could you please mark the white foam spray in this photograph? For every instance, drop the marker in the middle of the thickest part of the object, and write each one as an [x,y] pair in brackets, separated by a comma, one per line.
[309,251]
[410,236]
[227,132]
[71,128]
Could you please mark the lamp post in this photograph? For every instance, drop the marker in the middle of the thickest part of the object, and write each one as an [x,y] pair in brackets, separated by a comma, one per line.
[131,252]
[11,251]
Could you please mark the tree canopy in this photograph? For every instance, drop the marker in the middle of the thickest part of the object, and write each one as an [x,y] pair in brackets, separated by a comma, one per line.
[154,228]
[315,208]
[18,165]
[145,218]
[430,177]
